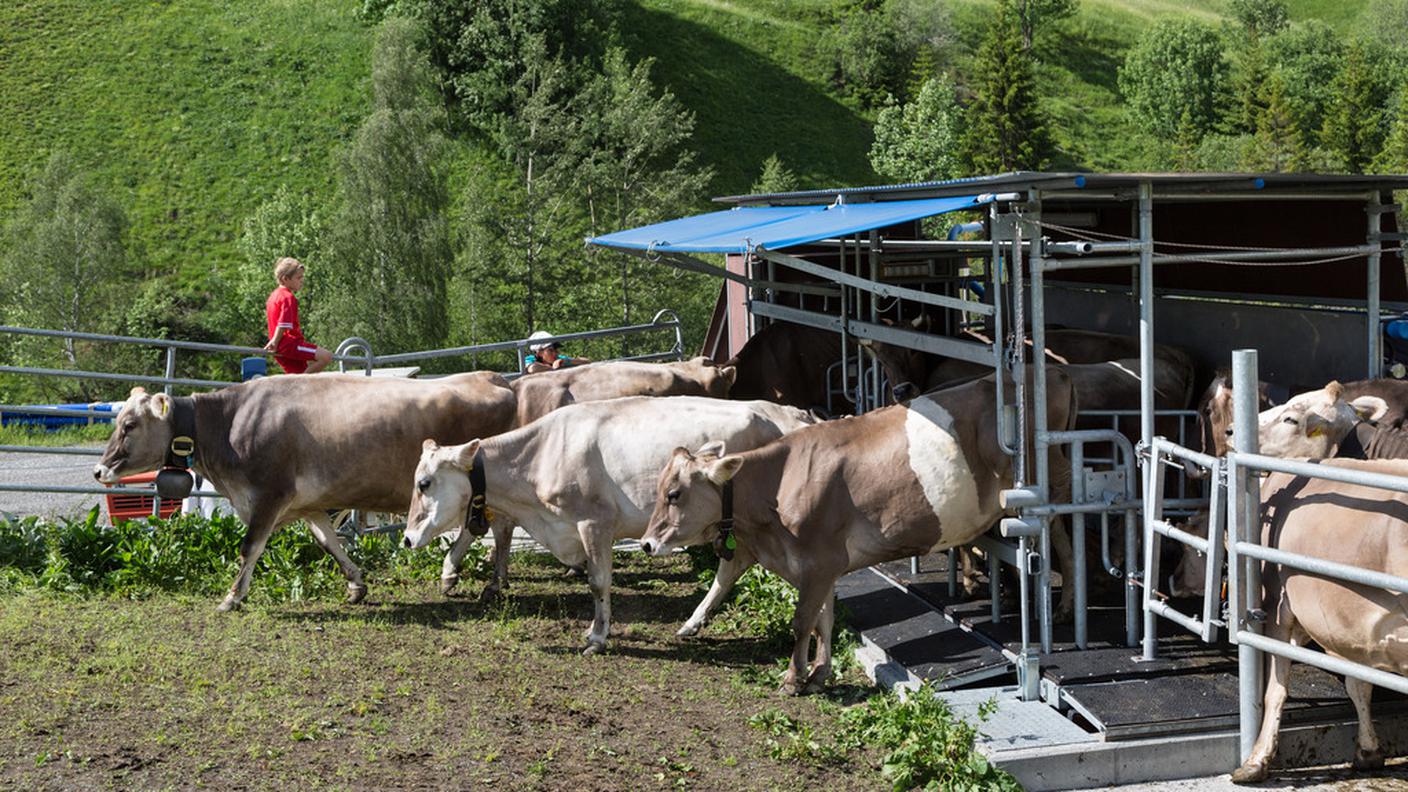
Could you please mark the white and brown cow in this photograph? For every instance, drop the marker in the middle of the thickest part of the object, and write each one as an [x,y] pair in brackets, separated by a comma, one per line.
[289,448]
[827,499]
[1350,524]
[582,477]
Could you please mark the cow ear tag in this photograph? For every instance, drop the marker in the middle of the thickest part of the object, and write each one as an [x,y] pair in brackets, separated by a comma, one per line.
[730,542]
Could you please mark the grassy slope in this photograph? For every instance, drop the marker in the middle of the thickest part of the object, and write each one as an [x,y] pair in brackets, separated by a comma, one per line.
[192,113]
[189,113]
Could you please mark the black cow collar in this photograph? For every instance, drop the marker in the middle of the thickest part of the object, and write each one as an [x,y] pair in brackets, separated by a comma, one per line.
[174,481]
[477,522]
[724,543]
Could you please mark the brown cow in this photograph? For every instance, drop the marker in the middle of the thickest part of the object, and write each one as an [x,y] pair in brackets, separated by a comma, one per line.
[838,496]
[290,448]
[1349,524]
[787,363]
[540,394]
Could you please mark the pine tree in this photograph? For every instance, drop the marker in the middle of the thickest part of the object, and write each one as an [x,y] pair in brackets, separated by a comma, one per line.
[1394,156]
[1352,130]
[1185,145]
[774,178]
[1279,146]
[1006,130]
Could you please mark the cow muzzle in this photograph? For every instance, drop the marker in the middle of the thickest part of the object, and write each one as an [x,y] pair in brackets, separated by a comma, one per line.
[105,474]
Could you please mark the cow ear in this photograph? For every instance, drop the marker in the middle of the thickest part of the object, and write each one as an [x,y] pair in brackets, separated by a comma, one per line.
[918,322]
[1369,408]
[723,469]
[729,374]
[160,406]
[137,392]
[429,445]
[715,448]
[464,455]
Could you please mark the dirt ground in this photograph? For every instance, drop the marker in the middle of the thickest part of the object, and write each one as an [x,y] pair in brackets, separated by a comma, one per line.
[408,691]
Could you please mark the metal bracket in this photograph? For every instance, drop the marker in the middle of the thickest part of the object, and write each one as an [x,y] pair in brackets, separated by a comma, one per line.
[1103,486]
[1004,227]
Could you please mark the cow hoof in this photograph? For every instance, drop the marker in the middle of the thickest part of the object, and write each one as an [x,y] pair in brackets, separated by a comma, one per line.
[489,594]
[789,688]
[1369,760]
[1249,774]
[447,584]
[593,648]
[687,630]
[228,604]
[356,592]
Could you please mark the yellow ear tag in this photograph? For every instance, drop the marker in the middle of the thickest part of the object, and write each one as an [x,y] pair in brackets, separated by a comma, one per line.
[166,405]
[488,514]
[1316,432]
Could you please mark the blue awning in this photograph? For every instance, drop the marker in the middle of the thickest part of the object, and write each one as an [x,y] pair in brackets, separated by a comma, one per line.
[777,227]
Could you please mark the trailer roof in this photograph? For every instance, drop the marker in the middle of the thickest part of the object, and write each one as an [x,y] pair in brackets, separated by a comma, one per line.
[1163,183]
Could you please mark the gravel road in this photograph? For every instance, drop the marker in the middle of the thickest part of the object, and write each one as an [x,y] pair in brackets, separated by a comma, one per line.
[38,469]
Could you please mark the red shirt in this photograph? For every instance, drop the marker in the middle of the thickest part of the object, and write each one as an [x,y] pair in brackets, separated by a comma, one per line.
[281,310]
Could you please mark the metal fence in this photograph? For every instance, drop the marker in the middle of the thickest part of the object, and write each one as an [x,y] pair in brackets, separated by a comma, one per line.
[356,353]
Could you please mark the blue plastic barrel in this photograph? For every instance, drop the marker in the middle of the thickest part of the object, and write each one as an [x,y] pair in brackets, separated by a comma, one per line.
[252,367]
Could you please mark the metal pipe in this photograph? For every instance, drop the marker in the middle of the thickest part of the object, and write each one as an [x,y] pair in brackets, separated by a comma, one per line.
[100,375]
[1247,521]
[1043,467]
[1334,665]
[94,490]
[1328,472]
[66,411]
[883,289]
[1165,528]
[999,338]
[159,342]
[922,245]
[1190,623]
[1078,544]
[1323,568]
[1111,568]
[170,368]
[1019,470]
[19,449]
[1146,402]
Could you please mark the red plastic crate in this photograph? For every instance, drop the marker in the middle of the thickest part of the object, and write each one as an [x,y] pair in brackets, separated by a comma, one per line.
[131,507]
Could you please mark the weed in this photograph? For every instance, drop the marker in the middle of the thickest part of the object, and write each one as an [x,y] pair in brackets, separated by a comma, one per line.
[790,740]
[929,747]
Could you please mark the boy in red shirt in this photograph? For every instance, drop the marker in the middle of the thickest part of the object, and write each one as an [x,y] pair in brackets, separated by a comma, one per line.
[295,353]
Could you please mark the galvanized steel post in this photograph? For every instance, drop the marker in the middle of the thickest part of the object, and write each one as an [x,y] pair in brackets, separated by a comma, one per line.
[170,369]
[1245,523]
[1146,404]
[1043,472]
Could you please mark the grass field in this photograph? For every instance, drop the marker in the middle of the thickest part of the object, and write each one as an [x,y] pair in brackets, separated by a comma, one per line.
[408,691]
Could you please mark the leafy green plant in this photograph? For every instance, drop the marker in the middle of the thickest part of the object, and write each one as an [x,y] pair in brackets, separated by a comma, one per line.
[929,747]
[790,740]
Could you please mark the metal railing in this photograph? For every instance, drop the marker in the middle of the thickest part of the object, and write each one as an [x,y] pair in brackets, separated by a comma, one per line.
[347,354]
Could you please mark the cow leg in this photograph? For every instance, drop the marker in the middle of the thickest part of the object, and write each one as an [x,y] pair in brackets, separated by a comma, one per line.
[821,666]
[729,573]
[450,569]
[598,540]
[262,524]
[503,541]
[1279,668]
[326,537]
[969,559]
[1368,755]
[810,599]
[1065,563]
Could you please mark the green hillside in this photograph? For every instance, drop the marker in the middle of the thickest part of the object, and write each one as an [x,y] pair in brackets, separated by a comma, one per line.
[191,114]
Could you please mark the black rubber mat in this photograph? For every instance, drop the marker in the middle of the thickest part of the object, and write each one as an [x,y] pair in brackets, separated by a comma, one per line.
[914,634]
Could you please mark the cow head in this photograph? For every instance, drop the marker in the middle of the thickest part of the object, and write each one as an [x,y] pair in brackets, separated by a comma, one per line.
[441,495]
[716,379]
[1215,412]
[1189,578]
[140,436]
[906,369]
[1312,424]
[688,500]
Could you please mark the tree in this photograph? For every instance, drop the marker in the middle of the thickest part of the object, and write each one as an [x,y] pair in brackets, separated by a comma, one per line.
[63,254]
[774,178]
[285,225]
[1005,127]
[1279,146]
[1260,18]
[1393,158]
[389,237]
[921,140]
[1307,59]
[1033,13]
[1175,67]
[1352,124]
[873,48]
[482,47]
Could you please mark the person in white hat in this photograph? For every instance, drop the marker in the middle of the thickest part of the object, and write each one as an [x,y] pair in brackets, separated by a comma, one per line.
[545,355]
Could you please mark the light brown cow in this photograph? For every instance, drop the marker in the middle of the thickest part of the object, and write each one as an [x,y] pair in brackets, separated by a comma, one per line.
[289,448]
[540,394]
[842,495]
[1349,524]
